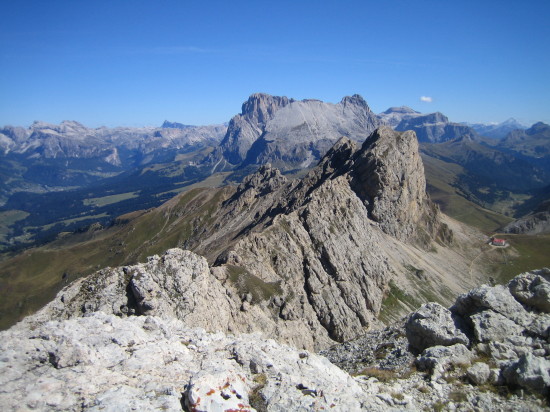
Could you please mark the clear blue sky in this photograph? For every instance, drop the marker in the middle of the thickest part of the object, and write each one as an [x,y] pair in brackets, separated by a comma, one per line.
[140,62]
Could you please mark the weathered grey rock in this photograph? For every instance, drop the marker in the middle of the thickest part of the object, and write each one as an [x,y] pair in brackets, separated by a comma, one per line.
[537,223]
[218,391]
[496,298]
[386,349]
[437,359]
[104,362]
[314,255]
[502,352]
[386,178]
[533,289]
[530,372]
[490,326]
[457,354]
[479,373]
[433,325]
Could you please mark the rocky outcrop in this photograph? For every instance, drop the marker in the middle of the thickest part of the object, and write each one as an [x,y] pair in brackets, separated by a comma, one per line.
[495,336]
[385,174]
[532,289]
[535,223]
[433,325]
[105,362]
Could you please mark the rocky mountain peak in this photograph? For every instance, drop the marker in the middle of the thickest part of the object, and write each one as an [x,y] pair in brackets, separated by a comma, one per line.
[174,125]
[260,107]
[400,110]
[538,127]
[292,134]
[388,175]
[356,100]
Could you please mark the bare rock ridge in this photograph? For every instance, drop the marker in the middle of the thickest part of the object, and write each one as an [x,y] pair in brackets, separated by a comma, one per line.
[290,133]
[305,261]
[536,222]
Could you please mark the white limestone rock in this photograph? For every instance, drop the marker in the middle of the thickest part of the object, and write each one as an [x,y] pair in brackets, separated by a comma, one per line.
[479,373]
[104,362]
[532,288]
[433,325]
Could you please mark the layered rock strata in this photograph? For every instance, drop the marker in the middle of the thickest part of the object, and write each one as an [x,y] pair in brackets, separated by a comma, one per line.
[290,134]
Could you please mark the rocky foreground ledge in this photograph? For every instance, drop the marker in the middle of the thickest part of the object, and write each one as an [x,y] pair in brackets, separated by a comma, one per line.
[489,351]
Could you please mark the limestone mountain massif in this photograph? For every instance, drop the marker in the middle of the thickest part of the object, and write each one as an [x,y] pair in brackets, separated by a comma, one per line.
[429,128]
[71,139]
[306,261]
[291,134]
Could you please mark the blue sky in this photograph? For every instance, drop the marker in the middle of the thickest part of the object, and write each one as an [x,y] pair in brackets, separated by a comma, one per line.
[140,62]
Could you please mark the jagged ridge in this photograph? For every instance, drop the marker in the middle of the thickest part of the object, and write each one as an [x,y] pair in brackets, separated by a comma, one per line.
[306,261]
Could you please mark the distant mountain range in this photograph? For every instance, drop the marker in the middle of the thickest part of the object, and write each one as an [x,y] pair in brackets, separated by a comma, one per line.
[432,127]
[60,177]
[497,130]
[46,157]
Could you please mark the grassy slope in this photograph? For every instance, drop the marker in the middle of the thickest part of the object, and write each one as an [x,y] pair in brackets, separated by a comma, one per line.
[440,177]
[524,253]
[32,279]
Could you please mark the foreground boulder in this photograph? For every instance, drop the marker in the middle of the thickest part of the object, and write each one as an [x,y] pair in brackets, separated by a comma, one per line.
[433,325]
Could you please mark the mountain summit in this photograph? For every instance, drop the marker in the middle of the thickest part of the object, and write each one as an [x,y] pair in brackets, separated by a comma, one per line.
[289,133]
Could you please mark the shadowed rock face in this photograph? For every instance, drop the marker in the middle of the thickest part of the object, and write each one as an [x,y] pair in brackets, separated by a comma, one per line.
[305,261]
